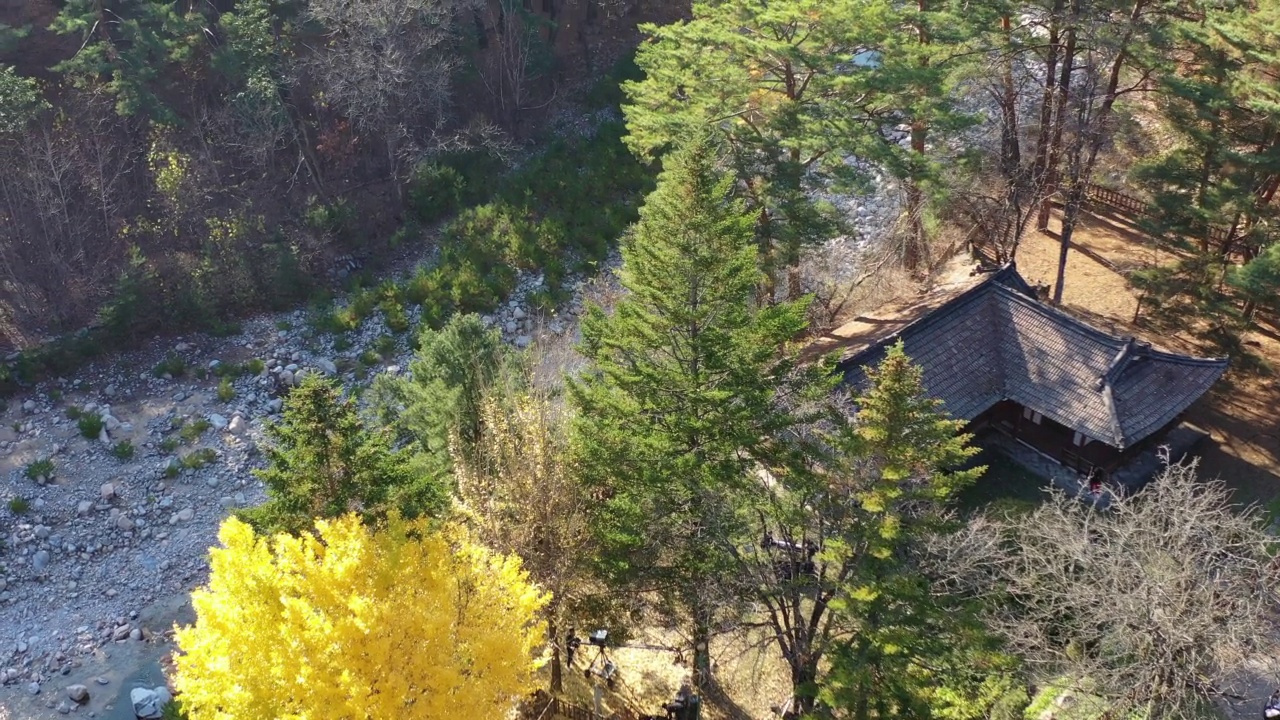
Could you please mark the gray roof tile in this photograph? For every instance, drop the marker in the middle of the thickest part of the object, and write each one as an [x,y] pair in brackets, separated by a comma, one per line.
[995,341]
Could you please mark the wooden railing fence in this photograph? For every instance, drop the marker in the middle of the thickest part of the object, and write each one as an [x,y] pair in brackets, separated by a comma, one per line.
[1127,204]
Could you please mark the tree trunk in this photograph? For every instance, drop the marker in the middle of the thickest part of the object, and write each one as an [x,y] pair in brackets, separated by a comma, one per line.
[701,653]
[1044,134]
[1059,116]
[804,679]
[557,671]
[914,253]
[1091,141]
[1010,143]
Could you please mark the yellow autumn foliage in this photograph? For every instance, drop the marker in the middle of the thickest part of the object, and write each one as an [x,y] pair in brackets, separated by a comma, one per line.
[354,623]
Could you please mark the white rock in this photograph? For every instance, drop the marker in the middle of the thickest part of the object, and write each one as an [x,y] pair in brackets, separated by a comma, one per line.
[237,425]
[84,507]
[124,523]
[29,406]
[146,703]
[107,491]
[327,366]
[40,560]
[518,313]
[103,437]
[286,377]
[163,694]
[218,422]
[523,341]
[111,423]
[78,693]
[186,514]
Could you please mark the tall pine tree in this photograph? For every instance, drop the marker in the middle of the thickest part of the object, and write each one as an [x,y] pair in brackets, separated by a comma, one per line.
[903,644]
[682,391]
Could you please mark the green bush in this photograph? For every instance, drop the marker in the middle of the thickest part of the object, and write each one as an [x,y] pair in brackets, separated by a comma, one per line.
[90,425]
[123,450]
[41,469]
[335,220]
[385,346]
[254,367]
[19,505]
[226,391]
[172,365]
[394,316]
[169,444]
[189,432]
[198,459]
[435,191]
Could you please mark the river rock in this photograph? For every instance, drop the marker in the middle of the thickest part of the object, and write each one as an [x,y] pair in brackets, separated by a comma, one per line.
[146,703]
[78,693]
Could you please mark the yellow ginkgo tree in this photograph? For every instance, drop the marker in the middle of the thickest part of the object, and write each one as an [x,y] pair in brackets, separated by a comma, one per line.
[405,621]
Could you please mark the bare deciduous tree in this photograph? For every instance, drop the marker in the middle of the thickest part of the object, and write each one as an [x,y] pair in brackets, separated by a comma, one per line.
[1154,606]
[523,495]
[387,65]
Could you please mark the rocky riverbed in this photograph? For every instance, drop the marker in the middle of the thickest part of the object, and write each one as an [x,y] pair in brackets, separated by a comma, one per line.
[101,546]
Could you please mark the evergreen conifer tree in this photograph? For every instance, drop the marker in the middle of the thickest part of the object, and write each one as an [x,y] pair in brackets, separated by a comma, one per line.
[681,394]
[904,643]
[322,463]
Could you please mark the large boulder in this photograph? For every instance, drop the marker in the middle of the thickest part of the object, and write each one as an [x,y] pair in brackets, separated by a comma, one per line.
[146,704]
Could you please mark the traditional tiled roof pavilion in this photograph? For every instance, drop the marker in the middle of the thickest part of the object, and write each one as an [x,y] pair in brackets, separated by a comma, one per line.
[998,356]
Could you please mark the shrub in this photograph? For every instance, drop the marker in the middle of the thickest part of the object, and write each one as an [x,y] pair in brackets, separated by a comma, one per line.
[434,191]
[385,345]
[254,367]
[90,425]
[226,391]
[335,220]
[73,412]
[172,365]
[394,315]
[123,450]
[198,459]
[169,444]
[19,505]
[193,430]
[370,357]
[41,469]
